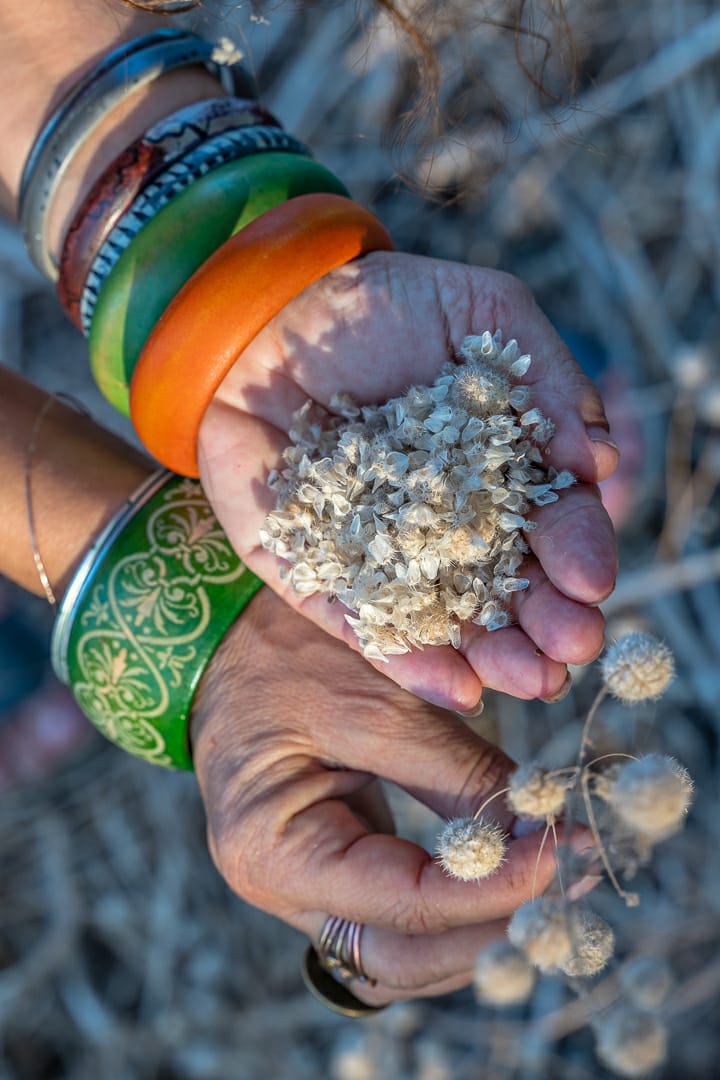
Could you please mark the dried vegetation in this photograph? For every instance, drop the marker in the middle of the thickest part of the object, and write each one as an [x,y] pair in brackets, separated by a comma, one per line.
[122,956]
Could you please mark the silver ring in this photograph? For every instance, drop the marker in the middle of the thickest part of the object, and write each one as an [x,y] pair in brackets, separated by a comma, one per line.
[339,949]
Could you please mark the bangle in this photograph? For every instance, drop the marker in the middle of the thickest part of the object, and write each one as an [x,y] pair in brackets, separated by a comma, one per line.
[227,146]
[155,266]
[227,302]
[113,193]
[143,615]
[119,74]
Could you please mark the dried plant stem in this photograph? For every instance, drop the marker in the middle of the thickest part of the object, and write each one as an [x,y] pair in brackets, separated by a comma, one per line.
[538,858]
[631,899]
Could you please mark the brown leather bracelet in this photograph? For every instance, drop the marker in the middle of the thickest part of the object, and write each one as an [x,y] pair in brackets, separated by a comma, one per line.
[136,167]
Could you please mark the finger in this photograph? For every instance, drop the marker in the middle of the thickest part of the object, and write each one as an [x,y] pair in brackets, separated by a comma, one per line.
[560,389]
[575,544]
[509,661]
[565,630]
[414,964]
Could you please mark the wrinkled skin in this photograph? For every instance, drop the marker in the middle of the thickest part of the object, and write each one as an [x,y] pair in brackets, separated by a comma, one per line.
[372,329]
[289,730]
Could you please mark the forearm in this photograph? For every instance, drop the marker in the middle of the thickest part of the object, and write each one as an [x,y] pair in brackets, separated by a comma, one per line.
[77,475]
[43,51]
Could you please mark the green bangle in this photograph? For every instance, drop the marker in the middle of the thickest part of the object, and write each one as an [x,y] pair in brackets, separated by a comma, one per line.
[175,242]
[144,614]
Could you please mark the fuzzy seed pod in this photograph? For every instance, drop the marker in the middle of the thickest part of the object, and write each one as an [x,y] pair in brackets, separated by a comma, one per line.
[637,667]
[536,793]
[503,975]
[542,930]
[650,795]
[629,1041]
[593,943]
[470,849]
[647,981]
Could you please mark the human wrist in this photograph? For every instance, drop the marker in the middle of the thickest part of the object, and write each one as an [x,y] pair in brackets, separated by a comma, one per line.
[144,613]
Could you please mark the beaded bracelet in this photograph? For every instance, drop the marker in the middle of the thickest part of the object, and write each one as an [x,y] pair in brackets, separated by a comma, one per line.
[227,302]
[119,74]
[155,267]
[208,155]
[144,614]
[136,167]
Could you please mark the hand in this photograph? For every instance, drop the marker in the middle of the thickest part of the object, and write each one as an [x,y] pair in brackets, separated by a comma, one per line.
[373,328]
[289,730]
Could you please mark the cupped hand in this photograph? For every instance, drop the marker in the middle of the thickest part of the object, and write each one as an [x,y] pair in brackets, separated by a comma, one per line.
[372,329]
[290,730]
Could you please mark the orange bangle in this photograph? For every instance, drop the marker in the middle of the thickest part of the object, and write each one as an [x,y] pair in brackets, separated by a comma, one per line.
[226,303]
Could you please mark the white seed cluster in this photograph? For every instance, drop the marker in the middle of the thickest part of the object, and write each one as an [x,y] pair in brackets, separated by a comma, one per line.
[535,792]
[593,943]
[412,513]
[637,667]
[470,848]
[650,795]
[542,930]
[503,975]
[629,1041]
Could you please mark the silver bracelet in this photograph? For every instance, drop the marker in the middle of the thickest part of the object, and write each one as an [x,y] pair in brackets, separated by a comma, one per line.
[121,72]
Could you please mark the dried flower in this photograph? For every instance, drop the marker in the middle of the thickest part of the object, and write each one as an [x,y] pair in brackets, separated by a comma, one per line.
[649,795]
[542,930]
[637,667]
[470,848]
[503,975]
[647,981]
[536,792]
[413,512]
[629,1041]
[593,943]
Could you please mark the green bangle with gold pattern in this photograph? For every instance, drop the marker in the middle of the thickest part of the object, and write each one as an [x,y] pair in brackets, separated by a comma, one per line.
[145,612]
[175,242]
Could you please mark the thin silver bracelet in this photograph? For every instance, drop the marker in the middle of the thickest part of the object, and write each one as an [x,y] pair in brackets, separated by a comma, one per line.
[121,72]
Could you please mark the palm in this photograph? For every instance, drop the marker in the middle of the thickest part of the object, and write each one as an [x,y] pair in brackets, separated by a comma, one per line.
[372,329]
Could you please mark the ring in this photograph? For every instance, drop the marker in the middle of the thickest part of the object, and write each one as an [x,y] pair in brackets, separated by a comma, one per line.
[339,949]
[332,994]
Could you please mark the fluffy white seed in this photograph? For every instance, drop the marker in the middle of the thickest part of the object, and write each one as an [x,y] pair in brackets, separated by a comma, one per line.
[637,667]
[503,975]
[593,943]
[470,848]
[536,793]
[629,1041]
[541,928]
[650,795]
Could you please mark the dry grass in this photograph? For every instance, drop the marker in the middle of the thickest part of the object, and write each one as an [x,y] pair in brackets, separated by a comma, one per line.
[122,955]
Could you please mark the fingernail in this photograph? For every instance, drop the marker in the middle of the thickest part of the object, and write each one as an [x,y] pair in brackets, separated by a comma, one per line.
[583,886]
[476,711]
[562,692]
[598,434]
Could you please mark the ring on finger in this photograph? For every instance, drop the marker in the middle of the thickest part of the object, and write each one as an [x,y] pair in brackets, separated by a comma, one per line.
[339,949]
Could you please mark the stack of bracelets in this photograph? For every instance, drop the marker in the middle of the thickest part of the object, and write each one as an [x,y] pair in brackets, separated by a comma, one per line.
[192,240]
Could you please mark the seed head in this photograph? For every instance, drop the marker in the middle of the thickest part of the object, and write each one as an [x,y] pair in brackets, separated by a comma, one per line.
[503,975]
[593,943]
[647,981]
[637,667]
[481,390]
[536,793]
[629,1041]
[650,795]
[541,929]
[470,848]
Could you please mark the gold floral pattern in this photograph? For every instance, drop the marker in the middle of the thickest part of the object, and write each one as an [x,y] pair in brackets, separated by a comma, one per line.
[151,620]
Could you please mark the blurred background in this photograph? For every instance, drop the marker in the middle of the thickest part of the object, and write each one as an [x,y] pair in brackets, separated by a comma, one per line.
[583,155]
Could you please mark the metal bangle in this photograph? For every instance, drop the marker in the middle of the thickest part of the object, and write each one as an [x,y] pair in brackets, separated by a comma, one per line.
[121,72]
[218,150]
